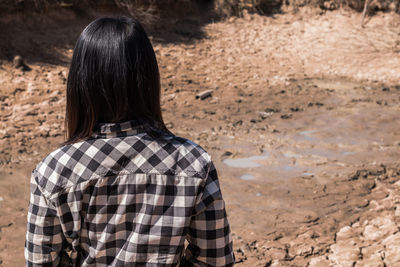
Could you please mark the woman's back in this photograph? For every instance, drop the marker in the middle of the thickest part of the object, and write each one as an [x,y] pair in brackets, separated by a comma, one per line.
[130,194]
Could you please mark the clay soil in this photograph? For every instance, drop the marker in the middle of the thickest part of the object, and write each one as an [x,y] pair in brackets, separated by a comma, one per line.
[302,123]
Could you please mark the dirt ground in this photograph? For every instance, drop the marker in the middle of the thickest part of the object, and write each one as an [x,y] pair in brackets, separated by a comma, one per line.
[303,125]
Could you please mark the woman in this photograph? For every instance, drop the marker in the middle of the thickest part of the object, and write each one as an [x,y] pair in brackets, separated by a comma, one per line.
[122,190]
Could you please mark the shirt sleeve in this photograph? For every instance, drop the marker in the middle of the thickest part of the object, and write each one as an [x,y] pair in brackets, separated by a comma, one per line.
[44,236]
[209,235]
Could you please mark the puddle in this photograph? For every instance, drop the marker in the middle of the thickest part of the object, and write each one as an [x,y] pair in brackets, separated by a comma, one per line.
[292,155]
[288,168]
[311,147]
[348,153]
[247,177]
[250,162]
[306,135]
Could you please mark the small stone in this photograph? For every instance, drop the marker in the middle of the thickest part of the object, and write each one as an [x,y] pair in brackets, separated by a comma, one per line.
[344,254]
[275,263]
[205,94]
[277,254]
[237,123]
[226,154]
[286,116]
[358,202]
[392,245]
[372,256]
[305,216]
[169,125]
[264,115]
[304,250]
[18,62]
[379,228]
[345,233]
[364,186]
[397,211]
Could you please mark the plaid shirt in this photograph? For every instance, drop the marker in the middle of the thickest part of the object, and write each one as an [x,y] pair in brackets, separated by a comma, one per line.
[130,195]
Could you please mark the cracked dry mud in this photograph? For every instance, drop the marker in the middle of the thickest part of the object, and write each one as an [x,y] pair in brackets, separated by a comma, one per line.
[302,123]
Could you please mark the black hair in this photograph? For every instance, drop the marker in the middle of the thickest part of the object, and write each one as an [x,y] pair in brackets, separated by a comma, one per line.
[113,77]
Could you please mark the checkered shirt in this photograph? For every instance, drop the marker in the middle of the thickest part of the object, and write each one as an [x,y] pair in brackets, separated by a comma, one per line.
[130,195]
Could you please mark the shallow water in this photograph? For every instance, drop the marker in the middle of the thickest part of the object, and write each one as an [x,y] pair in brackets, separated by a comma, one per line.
[320,141]
[247,177]
[250,162]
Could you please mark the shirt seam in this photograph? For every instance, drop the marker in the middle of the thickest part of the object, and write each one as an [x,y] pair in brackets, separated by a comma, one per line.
[97,176]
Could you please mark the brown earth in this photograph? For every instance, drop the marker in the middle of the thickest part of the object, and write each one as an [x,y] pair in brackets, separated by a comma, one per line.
[303,125]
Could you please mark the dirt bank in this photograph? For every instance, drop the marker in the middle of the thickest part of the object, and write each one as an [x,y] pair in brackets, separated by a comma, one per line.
[302,123]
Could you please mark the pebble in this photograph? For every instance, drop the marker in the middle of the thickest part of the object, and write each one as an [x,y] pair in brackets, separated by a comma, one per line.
[344,233]
[344,254]
[304,250]
[379,228]
[205,94]
[264,115]
[278,254]
[226,154]
[18,61]
[392,254]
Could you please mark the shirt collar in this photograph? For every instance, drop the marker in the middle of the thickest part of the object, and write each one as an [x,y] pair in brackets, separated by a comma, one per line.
[132,127]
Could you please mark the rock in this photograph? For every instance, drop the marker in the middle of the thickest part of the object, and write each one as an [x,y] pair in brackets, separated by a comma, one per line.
[359,174]
[370,263]
[358,202]
[18,63]
[300,216]
[264,115]
[372,255]
[392,245]
[226,154]
[378,194]
[364,186]
[203,95]
[321,261]
[17,90]
[377,170]
[286,116]
[303,250]
[344,254]
[379,228]
[275,263]
[271,110]
[345,233]
[277,254]
[296,109]
[237,123]
[397,211]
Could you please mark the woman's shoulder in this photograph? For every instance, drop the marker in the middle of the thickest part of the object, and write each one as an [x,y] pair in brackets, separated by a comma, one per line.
[189,155]
[52,172]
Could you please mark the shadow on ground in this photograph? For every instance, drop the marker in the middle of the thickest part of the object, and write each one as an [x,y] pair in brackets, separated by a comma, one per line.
[49,37]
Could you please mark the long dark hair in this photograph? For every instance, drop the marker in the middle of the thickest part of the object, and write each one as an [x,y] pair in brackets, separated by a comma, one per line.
[113,77]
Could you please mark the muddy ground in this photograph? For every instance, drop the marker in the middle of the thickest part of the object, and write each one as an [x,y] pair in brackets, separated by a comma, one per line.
[303,125]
